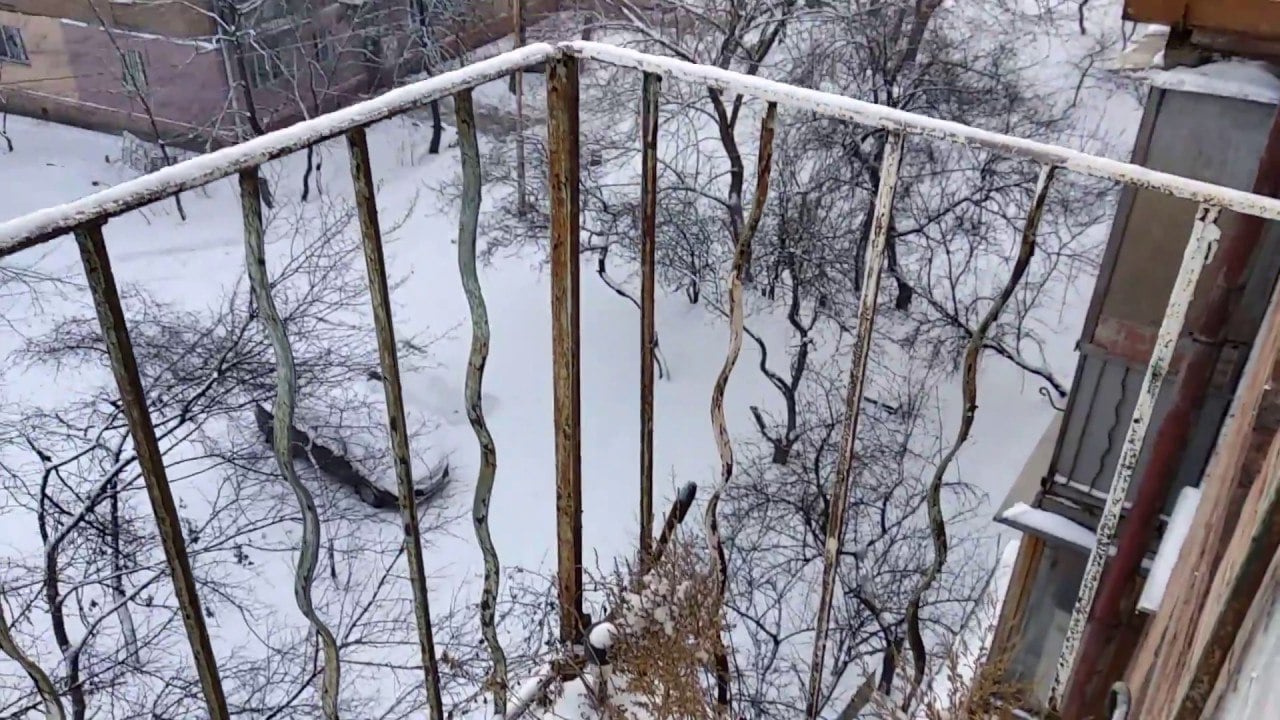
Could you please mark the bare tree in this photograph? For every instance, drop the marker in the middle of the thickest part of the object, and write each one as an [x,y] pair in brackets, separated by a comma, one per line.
[94,594]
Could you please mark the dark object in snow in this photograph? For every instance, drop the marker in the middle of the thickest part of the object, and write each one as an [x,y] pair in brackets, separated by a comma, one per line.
[336,467]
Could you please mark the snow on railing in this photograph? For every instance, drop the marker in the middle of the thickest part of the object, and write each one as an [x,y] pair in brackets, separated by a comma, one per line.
[86,219]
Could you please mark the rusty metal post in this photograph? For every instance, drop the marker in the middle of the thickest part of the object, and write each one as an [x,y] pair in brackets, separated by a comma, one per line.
[380,296]
[124,366]
[563,170]
[648,291]
[880,224]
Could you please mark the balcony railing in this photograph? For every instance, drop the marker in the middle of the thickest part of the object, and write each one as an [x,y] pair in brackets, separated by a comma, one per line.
[87,218]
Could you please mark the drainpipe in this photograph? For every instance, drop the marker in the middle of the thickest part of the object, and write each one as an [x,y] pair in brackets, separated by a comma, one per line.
[1208,334]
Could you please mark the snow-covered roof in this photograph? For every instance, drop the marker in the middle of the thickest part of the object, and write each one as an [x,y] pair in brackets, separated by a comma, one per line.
[1048,525]
[1242,79]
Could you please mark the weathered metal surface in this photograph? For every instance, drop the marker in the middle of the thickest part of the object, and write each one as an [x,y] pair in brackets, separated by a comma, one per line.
[968,413]
[468,221]
[1174,437]
[384,328]
[889,164]
[53,709]
[648,291]
[1231,487]
[282,410]
[1204,237]
[124,367]
[43,225]
[724,443]
[564,174]
[865,113]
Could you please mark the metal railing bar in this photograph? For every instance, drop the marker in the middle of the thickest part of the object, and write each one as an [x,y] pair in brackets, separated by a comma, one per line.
[563,178]
[724,443]
[53,709]
[865,113]
[648,292]
[1204,237]
[124,367]
[468,223]
[881,221]
[398,426]
[968,413]
[282,415]
[44,225]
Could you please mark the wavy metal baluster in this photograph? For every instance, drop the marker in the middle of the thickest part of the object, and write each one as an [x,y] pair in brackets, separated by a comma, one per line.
[968,412]
[764,167]
[286,395]
[48,691]
[889,163]
[467,222]
[398,425]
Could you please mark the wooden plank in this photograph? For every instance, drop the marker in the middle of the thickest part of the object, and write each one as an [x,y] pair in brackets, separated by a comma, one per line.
[1164,655]
[1236,584]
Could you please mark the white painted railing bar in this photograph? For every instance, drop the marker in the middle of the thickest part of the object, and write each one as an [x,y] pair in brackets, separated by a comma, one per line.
[1204,238]
[866,113]
[43,225]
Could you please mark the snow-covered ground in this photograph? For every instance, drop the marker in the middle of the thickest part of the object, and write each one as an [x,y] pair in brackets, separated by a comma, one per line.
[193,264]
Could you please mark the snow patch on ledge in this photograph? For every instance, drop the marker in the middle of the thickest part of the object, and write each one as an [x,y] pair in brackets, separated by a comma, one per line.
[1049,525]
[1184,513]
[1242,79]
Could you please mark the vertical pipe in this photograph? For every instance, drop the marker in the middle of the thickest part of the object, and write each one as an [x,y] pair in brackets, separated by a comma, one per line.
[1222,297]
[282,412]
[124,366]
[1204,236]
[648,290]
[469,218]
[563,177]
[880,225]
[380,297]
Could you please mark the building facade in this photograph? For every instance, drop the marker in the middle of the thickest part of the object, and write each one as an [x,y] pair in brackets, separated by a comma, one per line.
[1184,611]
[206,72]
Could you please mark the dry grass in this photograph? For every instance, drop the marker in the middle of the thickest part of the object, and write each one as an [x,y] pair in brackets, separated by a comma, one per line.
[669,629]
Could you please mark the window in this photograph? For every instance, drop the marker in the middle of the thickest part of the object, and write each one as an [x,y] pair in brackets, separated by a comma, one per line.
[12,48]
[266,63]
[324,48]
[264,68]
[1045,616]
[269,10]
[134,71]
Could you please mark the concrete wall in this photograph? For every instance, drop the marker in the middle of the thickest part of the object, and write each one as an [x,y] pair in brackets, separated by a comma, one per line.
[186,19]
[49,71]
[187,91]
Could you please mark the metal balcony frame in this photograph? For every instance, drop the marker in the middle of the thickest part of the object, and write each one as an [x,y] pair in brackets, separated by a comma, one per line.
[86,218]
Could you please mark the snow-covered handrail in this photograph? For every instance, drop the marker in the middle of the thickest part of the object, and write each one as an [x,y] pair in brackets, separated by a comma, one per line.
[45,224]
[892,119]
